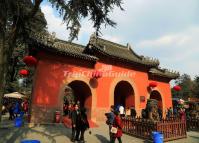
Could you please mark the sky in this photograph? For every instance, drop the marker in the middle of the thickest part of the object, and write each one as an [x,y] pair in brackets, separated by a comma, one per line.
[164,29]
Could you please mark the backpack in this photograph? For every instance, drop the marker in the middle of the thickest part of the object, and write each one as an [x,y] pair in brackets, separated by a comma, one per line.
[107,122]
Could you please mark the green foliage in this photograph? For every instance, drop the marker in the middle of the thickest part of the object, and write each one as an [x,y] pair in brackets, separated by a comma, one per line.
[196,87]
[25,14]
[16,20]
[16,24]
[189,87]
[73,11]
[20,17]
[15,65]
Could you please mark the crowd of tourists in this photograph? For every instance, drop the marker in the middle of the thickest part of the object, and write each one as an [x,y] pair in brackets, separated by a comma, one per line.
[14,107]
[80,123]
[177,112]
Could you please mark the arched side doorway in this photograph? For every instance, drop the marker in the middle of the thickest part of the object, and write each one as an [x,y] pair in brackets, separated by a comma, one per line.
[124,94]
[82,93]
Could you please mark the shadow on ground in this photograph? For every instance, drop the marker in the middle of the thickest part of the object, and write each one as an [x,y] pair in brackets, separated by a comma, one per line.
[102,138]
[48,133]
[195,137]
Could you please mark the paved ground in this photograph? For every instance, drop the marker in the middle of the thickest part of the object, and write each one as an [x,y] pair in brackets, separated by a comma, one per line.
[60,134]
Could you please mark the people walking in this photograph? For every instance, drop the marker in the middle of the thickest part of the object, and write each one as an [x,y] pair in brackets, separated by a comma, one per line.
[75,118]
[70,109]
[11,111]
[84,124]
[65,109]
[160,113]
[121,110]
[182,114]
[25,106]
[16,109]
[169,112]
[118,125]
[110,119]
[175,111]
[133,112]
[127,112]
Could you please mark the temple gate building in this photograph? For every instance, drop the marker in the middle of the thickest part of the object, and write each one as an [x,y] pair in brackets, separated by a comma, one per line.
[124,77]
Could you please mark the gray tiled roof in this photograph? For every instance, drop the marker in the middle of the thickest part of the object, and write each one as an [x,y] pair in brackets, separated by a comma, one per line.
[50,43]
[120,52]
[164,73]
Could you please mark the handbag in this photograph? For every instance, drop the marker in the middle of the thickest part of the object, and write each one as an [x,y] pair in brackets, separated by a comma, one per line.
[113,130]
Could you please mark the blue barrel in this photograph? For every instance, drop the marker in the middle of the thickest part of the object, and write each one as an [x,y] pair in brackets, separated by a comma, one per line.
[157,137]
[18,122]
[30,141]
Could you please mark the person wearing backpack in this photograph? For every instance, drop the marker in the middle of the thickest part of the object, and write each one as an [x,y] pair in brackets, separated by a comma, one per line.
[110,119]
[118,125]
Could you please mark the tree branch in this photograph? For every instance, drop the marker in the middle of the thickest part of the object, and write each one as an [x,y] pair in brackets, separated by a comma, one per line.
[35,8]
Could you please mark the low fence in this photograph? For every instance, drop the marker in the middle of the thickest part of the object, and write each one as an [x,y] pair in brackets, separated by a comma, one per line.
[138,127]
[193,124]
[142,128]
[172,129]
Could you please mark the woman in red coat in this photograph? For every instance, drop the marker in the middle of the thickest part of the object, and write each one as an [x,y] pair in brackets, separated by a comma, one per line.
[25,106]
[182,114]
[117,124]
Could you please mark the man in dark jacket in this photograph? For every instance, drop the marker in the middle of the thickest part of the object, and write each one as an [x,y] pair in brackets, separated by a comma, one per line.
[110,119]
[133,112]
[75,117]
[84,124]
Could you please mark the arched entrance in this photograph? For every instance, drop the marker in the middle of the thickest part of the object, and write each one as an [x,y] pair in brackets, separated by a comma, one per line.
[156,95]
[82,93]
[124,94]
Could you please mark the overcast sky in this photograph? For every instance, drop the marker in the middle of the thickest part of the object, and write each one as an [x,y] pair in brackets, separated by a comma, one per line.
[163,29]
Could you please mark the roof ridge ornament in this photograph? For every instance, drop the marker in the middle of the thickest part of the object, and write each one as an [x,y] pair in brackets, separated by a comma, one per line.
[104,47]
[43,36]
[93,38]
[128,46]
[164,72]
[51,38]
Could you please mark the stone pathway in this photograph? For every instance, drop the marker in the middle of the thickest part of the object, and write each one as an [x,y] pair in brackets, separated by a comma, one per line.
[58,133]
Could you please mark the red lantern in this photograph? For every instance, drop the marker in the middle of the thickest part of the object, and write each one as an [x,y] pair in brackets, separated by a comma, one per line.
[24,72]
[153,84]
[177,88]
[30,60]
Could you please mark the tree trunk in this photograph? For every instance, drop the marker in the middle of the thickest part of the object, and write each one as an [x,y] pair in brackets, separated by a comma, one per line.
[2,71]
[6,50]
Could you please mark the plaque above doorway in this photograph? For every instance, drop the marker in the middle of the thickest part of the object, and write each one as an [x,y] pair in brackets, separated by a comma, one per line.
[142,98]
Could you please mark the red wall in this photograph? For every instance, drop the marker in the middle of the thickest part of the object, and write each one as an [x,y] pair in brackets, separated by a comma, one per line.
[49,78]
